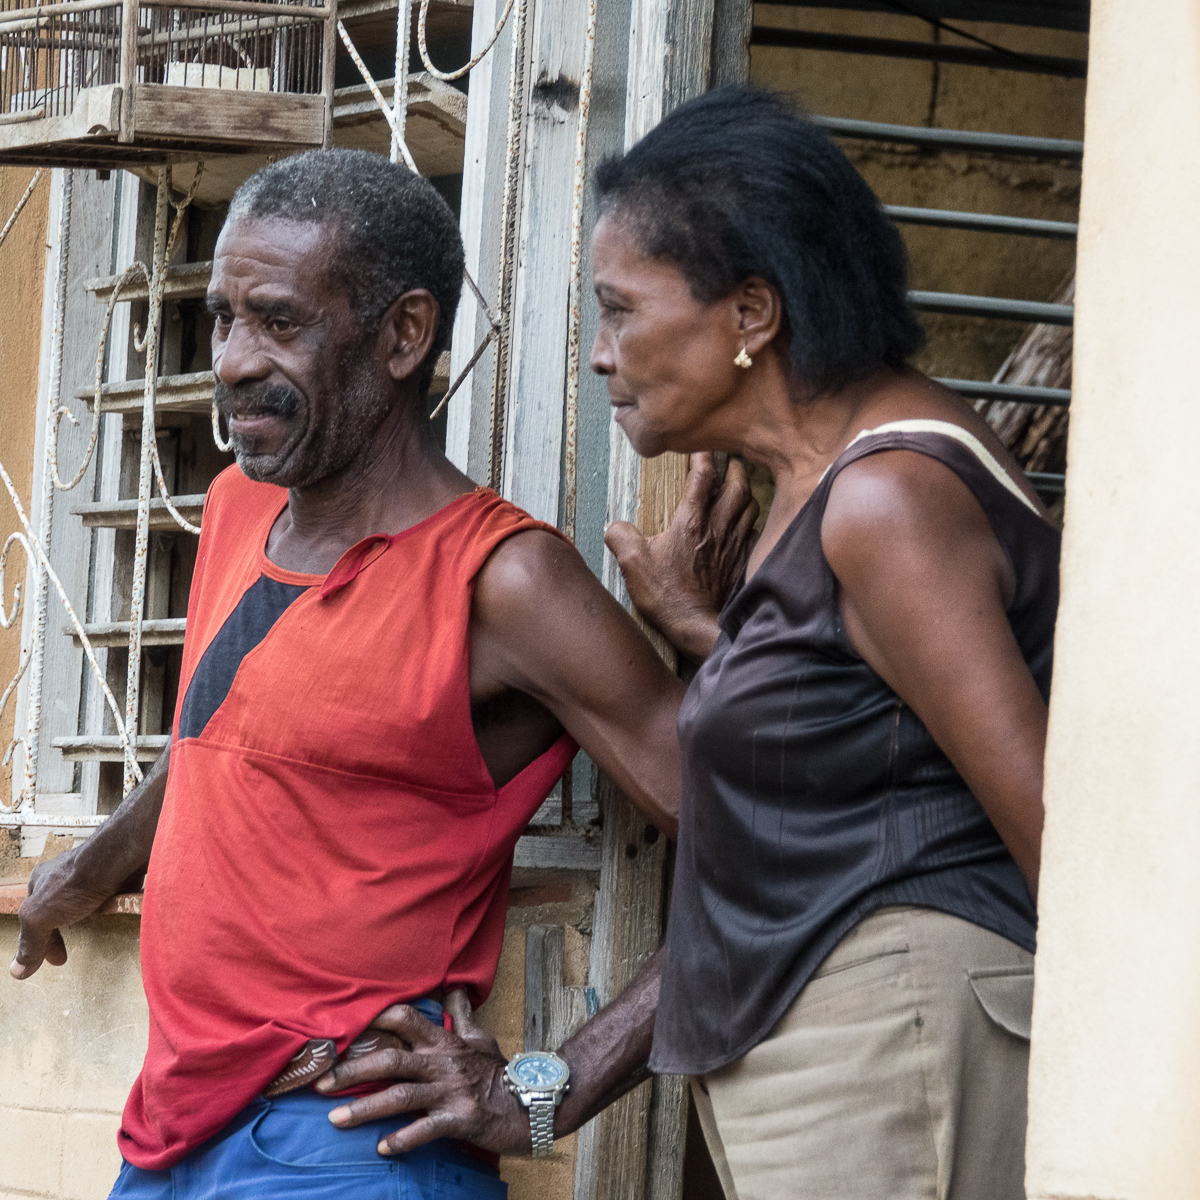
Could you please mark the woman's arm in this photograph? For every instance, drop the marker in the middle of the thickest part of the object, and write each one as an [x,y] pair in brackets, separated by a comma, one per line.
[924,587]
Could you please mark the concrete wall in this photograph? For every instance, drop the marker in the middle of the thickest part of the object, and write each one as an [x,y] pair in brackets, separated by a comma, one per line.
[1114,1088]
[22,267]
[71,1043]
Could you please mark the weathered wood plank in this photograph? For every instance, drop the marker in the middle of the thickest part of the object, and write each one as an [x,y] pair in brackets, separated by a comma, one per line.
[167,631]
[122,514]
[639,1150]
[537,380]
[218,115]
[562,853]
[485,153]
[89,250]
[732,23]
[107,747]
[187,281]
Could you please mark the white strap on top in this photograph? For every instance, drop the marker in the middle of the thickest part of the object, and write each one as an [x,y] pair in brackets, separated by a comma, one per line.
[960,435]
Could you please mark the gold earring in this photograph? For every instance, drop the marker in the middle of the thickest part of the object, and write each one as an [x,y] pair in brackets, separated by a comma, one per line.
[743,360]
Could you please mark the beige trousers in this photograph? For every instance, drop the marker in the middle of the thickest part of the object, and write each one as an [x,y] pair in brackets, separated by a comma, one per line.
[899,1073]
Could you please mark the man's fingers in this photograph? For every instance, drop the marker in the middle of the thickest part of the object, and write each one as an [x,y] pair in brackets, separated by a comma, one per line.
[462,1021]
[401,1098]
[56,949]
[409,1024]
[33,948]
[624,541]
[745,525]
[421,1131]
[391,1062]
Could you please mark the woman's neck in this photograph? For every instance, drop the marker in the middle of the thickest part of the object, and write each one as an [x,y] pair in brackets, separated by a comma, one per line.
[797,440]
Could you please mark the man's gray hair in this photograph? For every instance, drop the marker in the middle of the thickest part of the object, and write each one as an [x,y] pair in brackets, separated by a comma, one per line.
[395,232]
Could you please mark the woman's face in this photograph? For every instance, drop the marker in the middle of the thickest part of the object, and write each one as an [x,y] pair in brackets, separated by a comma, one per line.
[668,357]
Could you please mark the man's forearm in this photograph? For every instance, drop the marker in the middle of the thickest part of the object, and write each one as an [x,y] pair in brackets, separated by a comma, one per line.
[120,848]
[609,1055]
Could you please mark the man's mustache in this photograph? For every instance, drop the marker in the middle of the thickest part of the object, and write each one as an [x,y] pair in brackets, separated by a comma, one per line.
[255,400]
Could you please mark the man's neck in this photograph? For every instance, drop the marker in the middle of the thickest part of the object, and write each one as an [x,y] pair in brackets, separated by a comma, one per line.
[400,479]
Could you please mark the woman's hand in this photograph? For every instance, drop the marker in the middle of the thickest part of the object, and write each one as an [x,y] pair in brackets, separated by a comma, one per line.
[680,579]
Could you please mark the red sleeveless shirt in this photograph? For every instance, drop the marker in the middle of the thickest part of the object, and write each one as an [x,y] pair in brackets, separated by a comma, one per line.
[331,841]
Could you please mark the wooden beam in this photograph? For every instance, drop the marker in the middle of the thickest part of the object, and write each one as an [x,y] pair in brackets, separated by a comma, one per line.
[638,1151]
[248,119]
[533,433]
[122,514]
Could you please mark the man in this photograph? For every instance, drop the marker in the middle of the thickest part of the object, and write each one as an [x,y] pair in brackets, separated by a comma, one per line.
[384,671]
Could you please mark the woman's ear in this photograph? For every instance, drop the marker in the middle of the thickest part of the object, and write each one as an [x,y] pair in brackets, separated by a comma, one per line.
[407,332]
[760,313]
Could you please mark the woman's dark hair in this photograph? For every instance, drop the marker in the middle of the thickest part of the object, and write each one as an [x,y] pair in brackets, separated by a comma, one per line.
[735,184]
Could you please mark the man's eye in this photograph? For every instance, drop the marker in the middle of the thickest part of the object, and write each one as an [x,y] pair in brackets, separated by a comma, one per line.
[223,320]
[280,325]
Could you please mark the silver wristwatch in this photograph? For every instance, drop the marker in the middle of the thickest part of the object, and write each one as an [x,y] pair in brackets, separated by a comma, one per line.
[539,1079]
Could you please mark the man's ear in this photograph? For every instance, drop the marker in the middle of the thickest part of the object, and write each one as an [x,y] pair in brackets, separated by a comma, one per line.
[407,332]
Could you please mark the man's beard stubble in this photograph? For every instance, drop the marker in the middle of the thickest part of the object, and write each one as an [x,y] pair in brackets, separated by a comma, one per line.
[352,403]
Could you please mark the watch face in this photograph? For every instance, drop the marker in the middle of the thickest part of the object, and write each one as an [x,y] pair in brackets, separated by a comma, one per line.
[539,1072]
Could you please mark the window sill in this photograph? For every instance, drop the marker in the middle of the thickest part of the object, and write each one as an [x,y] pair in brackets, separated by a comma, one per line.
[11,895]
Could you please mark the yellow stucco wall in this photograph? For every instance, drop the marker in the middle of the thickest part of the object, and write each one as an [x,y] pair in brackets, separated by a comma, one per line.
[22,268]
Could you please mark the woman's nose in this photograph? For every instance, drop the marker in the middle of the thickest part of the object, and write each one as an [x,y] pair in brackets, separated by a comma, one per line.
[601,359]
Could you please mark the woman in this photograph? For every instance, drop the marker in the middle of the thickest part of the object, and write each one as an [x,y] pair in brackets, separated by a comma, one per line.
[849,966]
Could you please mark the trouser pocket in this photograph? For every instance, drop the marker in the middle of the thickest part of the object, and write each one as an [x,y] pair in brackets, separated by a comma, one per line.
[1006,995]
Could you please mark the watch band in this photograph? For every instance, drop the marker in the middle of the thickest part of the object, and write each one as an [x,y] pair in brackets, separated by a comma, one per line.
[541,1125]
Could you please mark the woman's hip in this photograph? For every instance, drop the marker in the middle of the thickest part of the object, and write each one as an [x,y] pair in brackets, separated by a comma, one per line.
[898,1072]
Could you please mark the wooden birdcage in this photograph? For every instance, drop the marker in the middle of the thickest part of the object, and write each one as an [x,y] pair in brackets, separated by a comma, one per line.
[124,82]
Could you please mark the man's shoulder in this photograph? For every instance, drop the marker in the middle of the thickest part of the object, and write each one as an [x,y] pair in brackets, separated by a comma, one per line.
[526,569]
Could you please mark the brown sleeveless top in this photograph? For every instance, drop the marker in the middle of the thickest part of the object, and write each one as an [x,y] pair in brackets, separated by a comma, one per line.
[812,795]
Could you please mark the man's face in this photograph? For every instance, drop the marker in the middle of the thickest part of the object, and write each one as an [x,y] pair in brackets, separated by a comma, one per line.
[301,386]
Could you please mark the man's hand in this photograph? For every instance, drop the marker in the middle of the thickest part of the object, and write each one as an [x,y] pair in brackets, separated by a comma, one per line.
[679,579]
[72,886]
[57,898]
[456,1077]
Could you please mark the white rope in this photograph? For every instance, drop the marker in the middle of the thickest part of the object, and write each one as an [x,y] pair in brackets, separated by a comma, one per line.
[384,107]
[16,212]
[450,76]
[30,544]
[575,294]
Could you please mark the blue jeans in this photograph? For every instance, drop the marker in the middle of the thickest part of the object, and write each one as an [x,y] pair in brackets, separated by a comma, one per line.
[286,1149]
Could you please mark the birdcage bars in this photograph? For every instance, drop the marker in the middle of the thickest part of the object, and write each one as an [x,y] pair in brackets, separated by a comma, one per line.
[125,82]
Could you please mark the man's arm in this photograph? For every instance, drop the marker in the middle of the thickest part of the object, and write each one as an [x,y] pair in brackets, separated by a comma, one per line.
[458,1077]
[543,624]
[73,885]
